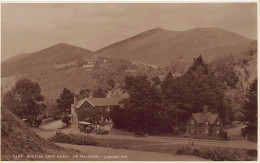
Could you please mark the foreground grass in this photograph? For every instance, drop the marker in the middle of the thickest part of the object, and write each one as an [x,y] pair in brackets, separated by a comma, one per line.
[218,154]
[212,153]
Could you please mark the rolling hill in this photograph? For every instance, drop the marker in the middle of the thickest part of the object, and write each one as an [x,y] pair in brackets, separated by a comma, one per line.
[60,53]
[160,47]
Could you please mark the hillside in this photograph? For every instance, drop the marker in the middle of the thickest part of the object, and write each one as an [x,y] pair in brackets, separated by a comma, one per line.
[160,47]
[18,139]
[60,53]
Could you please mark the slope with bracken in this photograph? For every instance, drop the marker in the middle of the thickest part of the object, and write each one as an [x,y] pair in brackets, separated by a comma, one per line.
[18,141]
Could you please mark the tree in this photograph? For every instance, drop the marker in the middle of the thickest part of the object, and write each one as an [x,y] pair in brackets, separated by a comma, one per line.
[83,94]
[142,95]
[66,119]
[64,101]
[25,100]
[166,89]
[156,80]
[250,104]
[111,83]
[99,93]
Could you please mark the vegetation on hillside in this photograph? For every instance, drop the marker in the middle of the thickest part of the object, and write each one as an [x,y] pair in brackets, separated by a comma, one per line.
[250,111]
[18,141]
[25,101]
[64,104]
[154,109]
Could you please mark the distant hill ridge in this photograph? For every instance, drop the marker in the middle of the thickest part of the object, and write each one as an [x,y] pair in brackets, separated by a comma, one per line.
[59,53]
[157,47]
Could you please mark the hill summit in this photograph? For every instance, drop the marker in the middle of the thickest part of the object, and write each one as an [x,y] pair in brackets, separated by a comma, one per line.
[159,47]
[56,54]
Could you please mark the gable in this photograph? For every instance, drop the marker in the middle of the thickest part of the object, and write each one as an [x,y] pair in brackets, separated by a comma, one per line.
[202,117]
[99,102]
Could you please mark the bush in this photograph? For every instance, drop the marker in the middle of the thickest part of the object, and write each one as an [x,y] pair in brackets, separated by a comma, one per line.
[252,152]
[223,134]
[215,154]
[66,119]
[73,139]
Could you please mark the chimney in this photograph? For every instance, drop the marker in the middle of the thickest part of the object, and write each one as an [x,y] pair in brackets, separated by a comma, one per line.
[205,109]
[75,100]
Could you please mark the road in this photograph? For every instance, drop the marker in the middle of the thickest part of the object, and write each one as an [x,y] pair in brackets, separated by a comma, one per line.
[243,144]
[54,125]
[110,154]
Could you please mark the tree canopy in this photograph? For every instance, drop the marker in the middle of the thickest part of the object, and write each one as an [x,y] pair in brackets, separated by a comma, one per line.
[99,93]
[250,104]
[64,101]
[25,100]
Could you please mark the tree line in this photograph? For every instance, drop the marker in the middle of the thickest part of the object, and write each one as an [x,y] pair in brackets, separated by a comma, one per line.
[156,106]
[153,106]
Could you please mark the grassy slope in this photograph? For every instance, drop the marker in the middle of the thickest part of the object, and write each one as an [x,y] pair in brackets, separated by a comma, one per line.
[18,139]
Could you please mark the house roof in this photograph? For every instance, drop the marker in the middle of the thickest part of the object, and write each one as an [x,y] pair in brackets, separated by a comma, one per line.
[202,117]
[99,101]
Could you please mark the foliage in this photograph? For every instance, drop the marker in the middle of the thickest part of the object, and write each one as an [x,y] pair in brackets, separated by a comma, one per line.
[66,119]
[156,80]
[252,152]
[51,110]
[142,95]
[25,100]
[99,93]
[142,109]
[213,153]
[73,139]
[83,94]
[250,109]
[173,102]
[250,104]
[223,134]
[197,87]
[64,101]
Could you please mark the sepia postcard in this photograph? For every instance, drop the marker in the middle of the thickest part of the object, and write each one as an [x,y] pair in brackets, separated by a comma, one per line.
[146,81]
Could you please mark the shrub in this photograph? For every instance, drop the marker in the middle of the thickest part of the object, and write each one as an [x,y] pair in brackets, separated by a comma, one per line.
[223,134]
[215,154]
[252,152]
[73,139]
[65,119]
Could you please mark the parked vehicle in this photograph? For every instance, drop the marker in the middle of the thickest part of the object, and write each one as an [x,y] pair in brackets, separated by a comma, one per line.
[85,127]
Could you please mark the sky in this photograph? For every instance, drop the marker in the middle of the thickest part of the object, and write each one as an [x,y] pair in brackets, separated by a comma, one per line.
[30,27]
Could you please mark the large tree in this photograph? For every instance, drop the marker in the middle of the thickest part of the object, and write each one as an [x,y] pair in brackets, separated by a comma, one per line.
[25,100]
[250,104]
[64,101]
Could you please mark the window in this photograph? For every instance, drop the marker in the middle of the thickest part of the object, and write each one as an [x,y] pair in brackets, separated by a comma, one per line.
[192,121]
[207,122]
[206,130]
[217,122]
[192,130]
[217,131]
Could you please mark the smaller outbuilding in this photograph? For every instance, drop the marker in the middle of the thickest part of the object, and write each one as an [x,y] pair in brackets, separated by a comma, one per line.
[204,123]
